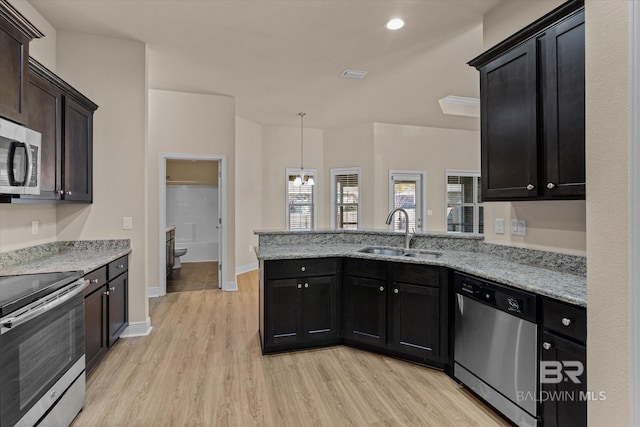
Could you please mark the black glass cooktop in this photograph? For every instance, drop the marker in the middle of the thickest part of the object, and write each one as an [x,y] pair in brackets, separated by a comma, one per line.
[18,291]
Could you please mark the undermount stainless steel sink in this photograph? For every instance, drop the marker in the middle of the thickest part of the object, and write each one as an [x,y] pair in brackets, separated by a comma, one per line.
[412,253]
[382,251]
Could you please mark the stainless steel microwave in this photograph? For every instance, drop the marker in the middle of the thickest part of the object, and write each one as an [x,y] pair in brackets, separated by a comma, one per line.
[19,159]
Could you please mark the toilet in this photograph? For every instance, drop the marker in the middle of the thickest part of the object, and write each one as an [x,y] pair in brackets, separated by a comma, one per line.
[177,253]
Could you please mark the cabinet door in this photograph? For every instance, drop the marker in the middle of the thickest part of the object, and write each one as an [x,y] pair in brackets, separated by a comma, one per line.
[365,311]
[282,311]
[415,320]
[14,57]
[95,331]
[78,152]
[564,411]
[509,123]
[563,93]
[44,103]
[118,307]
[319,308]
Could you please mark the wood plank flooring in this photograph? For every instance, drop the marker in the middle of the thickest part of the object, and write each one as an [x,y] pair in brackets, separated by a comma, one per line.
[202,366]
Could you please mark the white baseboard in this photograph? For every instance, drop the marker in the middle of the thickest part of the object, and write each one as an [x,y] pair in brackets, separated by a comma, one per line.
[246,268]
[154,292]
[137,329]
[230,286]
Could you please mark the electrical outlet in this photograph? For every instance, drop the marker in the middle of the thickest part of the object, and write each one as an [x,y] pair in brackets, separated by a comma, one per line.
[250,248]
[35,226]
[499,225]
[429,212]
[127,223]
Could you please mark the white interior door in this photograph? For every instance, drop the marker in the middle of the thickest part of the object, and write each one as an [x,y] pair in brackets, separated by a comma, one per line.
[219,224]
[406,192]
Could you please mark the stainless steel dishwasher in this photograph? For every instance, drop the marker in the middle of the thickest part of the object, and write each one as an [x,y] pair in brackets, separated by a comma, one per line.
[495,346]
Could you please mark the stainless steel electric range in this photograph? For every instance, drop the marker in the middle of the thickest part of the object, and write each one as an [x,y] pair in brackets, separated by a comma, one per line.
[42,363]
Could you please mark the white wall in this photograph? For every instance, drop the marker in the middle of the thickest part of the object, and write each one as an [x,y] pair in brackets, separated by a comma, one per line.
[248,190]
[189,123]
[431,150]
[15,220]
[112,73]
[607,77]
[558,226]
[281,150]
[351,146]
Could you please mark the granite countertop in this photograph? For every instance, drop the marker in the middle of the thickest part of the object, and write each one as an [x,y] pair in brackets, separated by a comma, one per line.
[571,288]
[84,255]
[170,228]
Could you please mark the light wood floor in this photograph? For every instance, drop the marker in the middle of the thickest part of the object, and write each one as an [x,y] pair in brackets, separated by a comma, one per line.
[202,366]
[193,276]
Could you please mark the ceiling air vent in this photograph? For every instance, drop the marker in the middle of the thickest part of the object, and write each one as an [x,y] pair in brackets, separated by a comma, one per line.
[354,74]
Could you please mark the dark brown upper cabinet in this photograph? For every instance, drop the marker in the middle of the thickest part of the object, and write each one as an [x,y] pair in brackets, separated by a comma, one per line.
[64,117]
[532,92]
[15,34]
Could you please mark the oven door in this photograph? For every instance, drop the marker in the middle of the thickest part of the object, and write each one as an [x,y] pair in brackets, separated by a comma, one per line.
[38,345]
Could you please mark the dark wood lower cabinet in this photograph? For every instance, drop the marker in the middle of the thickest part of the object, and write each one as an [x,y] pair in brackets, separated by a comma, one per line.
[564,401]
[397,309]
[365,310]
[299,311]
[118,307]
[415,323]
[95,334]
[106,306]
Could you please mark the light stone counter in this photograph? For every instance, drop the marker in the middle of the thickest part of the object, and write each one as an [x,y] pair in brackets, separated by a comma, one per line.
[558,276]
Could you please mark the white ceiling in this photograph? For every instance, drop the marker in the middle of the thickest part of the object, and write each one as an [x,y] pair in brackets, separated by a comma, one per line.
[281,57]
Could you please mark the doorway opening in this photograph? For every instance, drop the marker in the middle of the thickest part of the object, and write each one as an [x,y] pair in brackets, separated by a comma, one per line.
[192,208]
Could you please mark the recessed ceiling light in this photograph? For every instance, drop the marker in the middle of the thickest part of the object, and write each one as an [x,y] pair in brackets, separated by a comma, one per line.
[460,106]
[395,24]
[354,74]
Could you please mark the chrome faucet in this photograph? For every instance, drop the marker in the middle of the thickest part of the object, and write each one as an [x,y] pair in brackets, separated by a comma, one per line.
[407,236]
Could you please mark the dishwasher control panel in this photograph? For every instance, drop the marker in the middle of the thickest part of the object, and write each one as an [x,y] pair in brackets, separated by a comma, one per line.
[505,298]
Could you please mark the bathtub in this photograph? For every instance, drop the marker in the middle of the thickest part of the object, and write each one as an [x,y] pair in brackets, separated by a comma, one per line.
[199,251]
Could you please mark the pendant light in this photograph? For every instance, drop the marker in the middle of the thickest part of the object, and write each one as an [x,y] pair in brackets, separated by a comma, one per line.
[301,179]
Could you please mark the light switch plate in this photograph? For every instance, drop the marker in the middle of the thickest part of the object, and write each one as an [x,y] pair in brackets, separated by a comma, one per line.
[127,223]
[518,227]
[429,212]
[499,225]
[35,226]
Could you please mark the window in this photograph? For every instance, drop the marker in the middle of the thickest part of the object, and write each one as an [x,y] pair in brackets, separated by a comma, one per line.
[301,201]
[345,197]
[465,213]
[405,191]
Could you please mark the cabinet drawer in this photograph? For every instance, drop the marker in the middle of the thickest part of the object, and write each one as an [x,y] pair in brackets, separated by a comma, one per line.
[96,279]
[118,267]
[416,274]
[291,268]
[556,314]
[365,268]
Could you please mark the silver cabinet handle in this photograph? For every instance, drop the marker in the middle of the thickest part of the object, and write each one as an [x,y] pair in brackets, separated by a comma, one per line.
[303,268]
[121,266]
[546,345]
[530,187]
[93,281]
[566,321]
[381,288]
[551,186]
[61,192]
[306,285]
[112,289]
[68,193]
[299,285]
[395,291]
[106,293]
